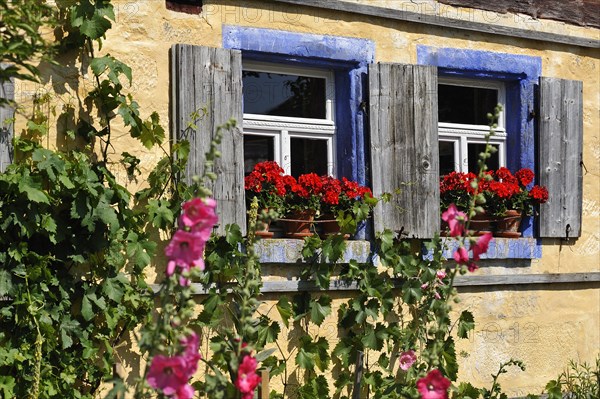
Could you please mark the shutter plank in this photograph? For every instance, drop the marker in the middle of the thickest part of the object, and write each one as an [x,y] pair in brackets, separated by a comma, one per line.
[210,78]
[7,91]
[404,147]
[560,153]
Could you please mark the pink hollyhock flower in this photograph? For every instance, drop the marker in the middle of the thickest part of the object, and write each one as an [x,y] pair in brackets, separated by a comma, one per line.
[461,256]
[191,354]
[200,216]
[247,379]
[455,220]
[437,295]
[185,250]
[433,386]
[441,274]
[407,359]
[184,392]
[424,286]
[481,246]
[169,374]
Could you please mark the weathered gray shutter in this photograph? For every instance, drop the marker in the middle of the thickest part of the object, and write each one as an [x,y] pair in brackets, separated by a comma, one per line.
[7,90]
[560,156]
[211,78]
[404,147]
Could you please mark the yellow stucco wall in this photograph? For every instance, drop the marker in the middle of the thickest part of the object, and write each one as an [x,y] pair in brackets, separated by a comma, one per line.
[543,325]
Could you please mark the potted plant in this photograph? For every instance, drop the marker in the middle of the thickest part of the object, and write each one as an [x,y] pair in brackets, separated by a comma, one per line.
[507,198]
[302,203]
[266,183]
[344,205]
[459,189]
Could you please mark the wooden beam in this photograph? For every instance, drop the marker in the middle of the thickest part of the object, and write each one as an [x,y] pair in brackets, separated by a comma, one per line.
[505,280]
[445,22]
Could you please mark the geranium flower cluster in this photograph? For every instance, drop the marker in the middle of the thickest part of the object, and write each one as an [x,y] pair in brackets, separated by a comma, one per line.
[171,374]
[186,248]
[286,194]
[502,190]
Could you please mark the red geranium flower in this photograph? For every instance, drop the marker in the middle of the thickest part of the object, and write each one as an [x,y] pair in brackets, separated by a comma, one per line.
[525,176]
[539,194]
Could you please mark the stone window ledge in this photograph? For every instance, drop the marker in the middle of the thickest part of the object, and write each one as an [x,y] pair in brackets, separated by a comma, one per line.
[502,248]
[283,250]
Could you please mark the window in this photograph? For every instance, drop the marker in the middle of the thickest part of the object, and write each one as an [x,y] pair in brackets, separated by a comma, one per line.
[289,118]
[462,108]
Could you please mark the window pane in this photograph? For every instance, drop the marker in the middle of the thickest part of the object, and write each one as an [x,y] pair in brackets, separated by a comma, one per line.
[257,149]
[308,155]
[283,95]
[447,157]
[474,150]
[468,105]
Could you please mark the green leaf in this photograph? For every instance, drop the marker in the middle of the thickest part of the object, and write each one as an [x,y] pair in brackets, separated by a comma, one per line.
[305,359]
[28,187]
[151,132]
[467,391]
[466,323]
[112,287]
[160,213]
[285,310]
[320,309]
[450,368]
[86,309]
[233,234]
[6,285]
[92,19]
[67,329]
[112,67]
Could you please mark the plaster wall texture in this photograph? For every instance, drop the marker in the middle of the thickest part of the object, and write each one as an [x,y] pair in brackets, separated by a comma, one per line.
[543,325]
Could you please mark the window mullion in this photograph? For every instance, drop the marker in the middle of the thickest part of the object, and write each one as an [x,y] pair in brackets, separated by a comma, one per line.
[286,152]
[464,154]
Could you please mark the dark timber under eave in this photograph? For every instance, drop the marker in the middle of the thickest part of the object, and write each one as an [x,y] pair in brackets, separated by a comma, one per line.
[445,22]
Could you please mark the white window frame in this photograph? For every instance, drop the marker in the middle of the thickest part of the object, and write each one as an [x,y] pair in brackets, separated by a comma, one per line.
[461,135]
[283,128]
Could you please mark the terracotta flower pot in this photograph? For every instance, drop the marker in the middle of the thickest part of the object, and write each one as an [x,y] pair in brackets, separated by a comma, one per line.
[330,226]
[482,223]
[299,224]
[508,225]
[262,229]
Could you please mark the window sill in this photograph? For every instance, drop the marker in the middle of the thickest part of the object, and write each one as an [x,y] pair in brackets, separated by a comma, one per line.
[283,250]
[503,248]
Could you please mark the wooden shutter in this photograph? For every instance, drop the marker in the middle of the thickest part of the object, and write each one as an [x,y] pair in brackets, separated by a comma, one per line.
[7,90]
[560,156]
[211,79]
[404,147]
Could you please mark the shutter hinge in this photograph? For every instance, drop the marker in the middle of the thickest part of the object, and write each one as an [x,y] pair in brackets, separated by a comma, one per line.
[583,166]
[567,231]
[363,107]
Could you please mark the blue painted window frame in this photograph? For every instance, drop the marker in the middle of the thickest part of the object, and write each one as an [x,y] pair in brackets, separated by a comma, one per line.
[347,57]
[520,73]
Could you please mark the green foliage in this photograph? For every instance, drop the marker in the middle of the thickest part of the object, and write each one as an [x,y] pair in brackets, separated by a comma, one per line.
[64,253]
[22,43]
[578,381]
